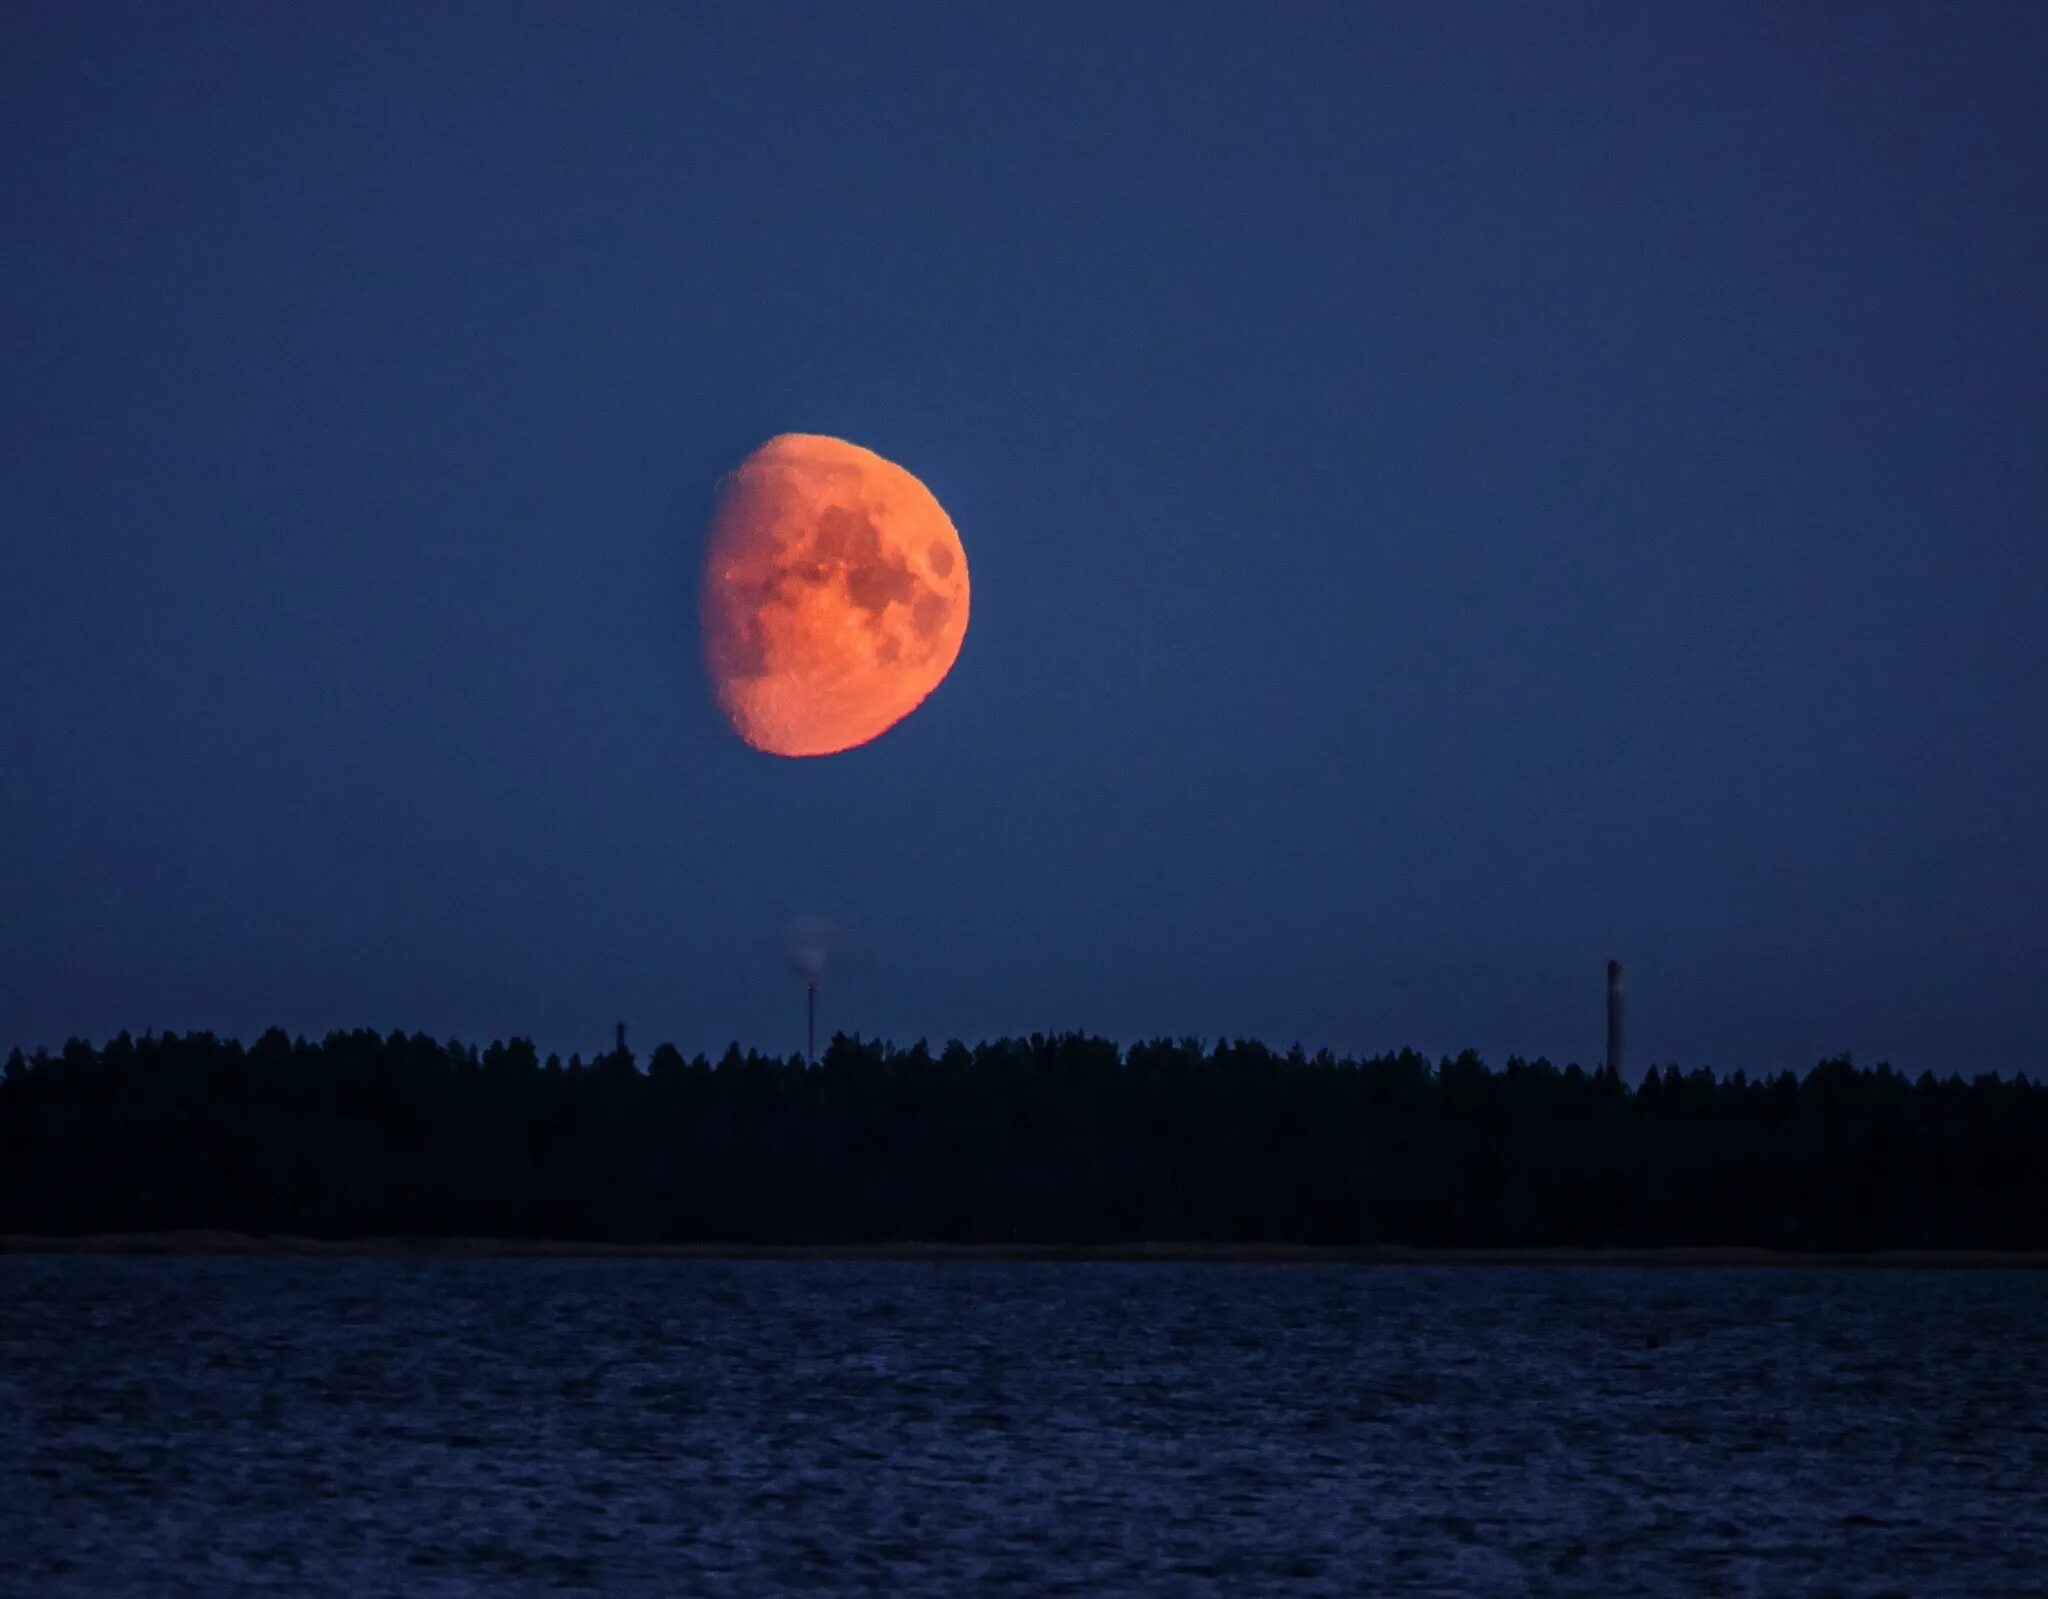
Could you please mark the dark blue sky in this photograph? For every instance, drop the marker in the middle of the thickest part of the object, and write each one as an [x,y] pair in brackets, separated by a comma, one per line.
[1453,493]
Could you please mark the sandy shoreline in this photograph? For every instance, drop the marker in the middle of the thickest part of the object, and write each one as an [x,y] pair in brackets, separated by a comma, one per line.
[226,1245]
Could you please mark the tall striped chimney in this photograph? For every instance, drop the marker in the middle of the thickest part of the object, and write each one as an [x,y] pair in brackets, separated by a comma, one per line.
[1614,1018]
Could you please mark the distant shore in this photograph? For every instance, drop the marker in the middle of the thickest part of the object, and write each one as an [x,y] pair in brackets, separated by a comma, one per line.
[229,1245]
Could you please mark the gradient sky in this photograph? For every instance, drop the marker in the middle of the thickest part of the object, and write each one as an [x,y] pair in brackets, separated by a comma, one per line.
[1453,493]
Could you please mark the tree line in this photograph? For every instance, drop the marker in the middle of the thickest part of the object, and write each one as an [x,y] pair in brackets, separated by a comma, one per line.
[1061,1138]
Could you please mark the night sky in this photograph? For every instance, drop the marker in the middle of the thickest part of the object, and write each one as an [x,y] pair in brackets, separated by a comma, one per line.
[1453,493]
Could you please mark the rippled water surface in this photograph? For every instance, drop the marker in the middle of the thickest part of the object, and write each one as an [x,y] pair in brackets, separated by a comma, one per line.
[380,1427]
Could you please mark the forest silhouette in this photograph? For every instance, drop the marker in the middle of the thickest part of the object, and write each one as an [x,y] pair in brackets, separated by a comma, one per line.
[1043,1139]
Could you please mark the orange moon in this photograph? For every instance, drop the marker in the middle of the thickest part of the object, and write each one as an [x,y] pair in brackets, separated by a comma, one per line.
[834,595]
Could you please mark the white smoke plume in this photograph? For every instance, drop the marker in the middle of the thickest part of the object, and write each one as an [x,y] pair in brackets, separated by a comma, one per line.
[809,941]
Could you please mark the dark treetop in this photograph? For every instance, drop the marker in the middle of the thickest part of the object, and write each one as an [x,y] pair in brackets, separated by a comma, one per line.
[1046,1138]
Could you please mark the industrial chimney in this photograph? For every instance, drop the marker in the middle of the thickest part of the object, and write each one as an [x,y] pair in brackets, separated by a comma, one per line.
[811,1022]
[619,1039]
[1614,1018]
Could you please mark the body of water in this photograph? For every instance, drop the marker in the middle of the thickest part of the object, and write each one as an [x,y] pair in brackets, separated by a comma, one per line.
[367,1427]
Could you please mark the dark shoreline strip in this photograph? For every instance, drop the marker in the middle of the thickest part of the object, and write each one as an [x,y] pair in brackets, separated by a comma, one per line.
[223,1245]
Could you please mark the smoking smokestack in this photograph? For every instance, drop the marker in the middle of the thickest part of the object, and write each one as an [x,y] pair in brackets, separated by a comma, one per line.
[809,942]
[1614,1018]
[619,1039]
